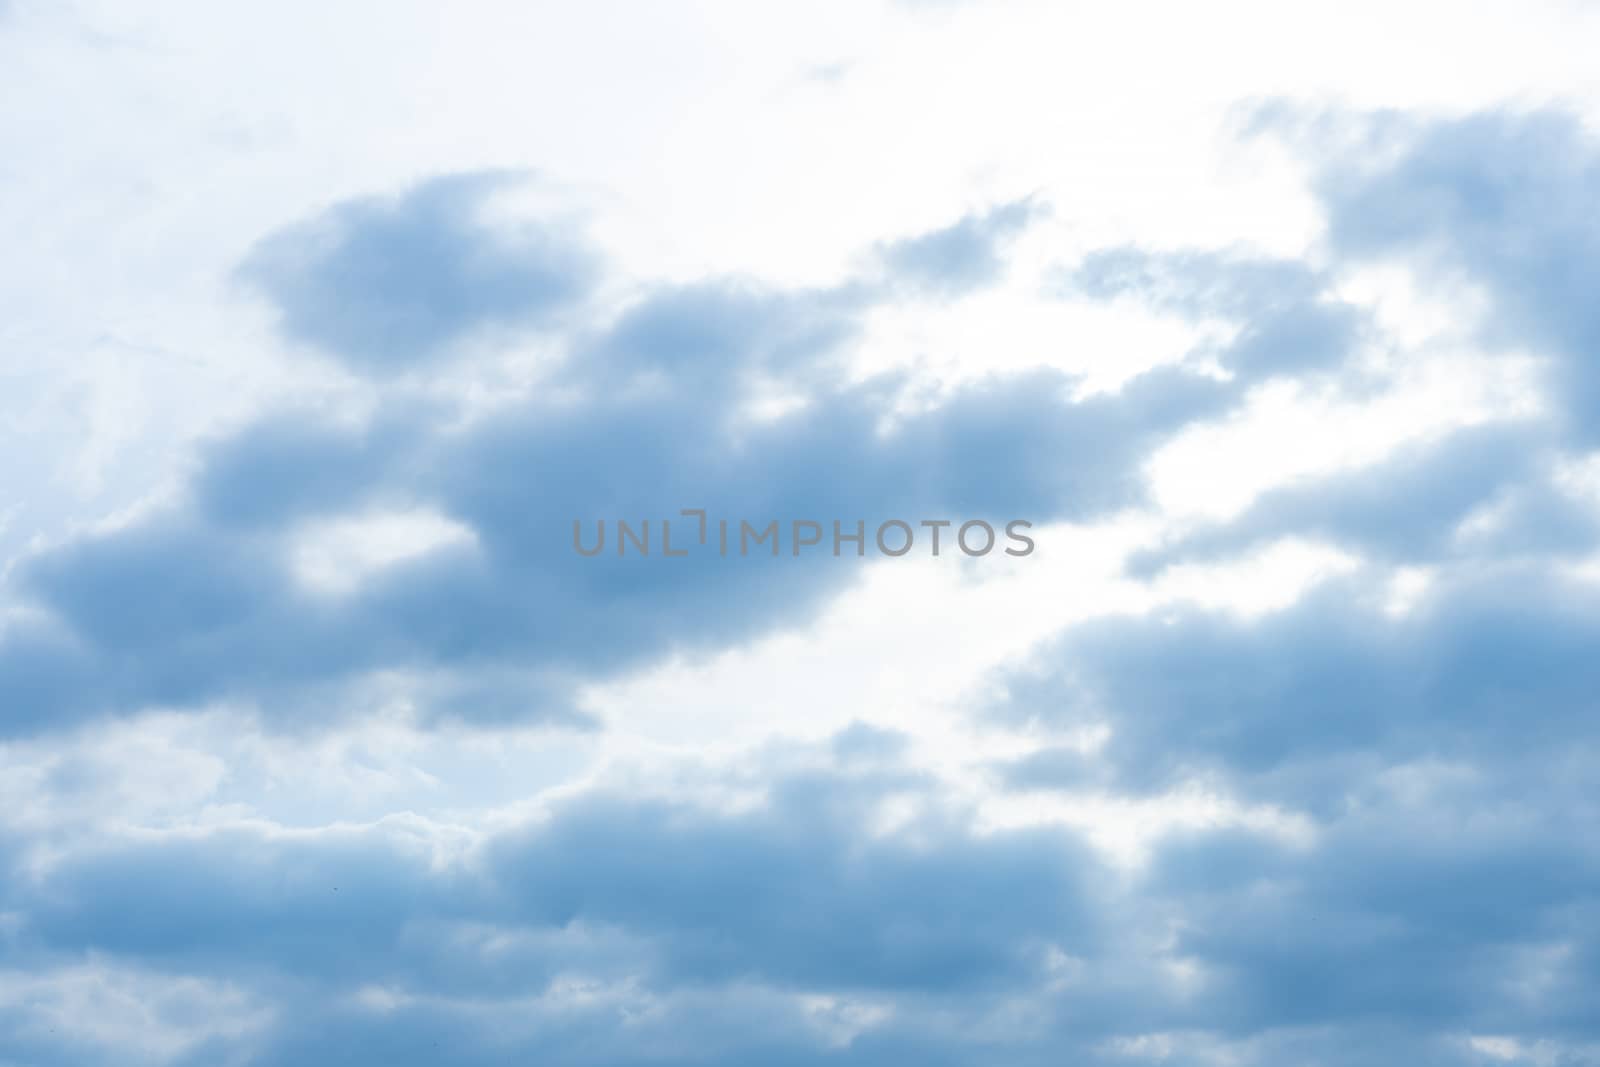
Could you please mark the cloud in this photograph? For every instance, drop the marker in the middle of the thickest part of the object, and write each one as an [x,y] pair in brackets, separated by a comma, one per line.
[1500,199]
[87,1012]
[292,465]
[1445,879]
[1290,704]
[1430,912]
[1288,319]
[961,257]
[855,902]
[1445,885]
[387,286]
[790,895]
[796,901]
[622,929]
[610,907]
[1485,492]
[649,411]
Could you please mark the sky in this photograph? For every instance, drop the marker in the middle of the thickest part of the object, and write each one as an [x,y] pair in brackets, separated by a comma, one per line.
[324,330]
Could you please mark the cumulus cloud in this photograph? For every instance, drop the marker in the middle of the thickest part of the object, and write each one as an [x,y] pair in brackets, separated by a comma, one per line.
[607,906]
[386,286]
[851,899]
[1499,199]
[1441,748]
[648,413]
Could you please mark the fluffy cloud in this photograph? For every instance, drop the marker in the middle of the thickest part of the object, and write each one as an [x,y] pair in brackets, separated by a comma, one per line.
[1420,887]
[389,286]
[648,413]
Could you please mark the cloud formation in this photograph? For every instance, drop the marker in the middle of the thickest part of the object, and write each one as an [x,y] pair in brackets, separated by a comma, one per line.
[1362,824]
[647,413]
[386,286]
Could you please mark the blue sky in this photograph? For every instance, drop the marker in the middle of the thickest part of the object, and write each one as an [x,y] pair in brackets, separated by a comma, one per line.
[319,744]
